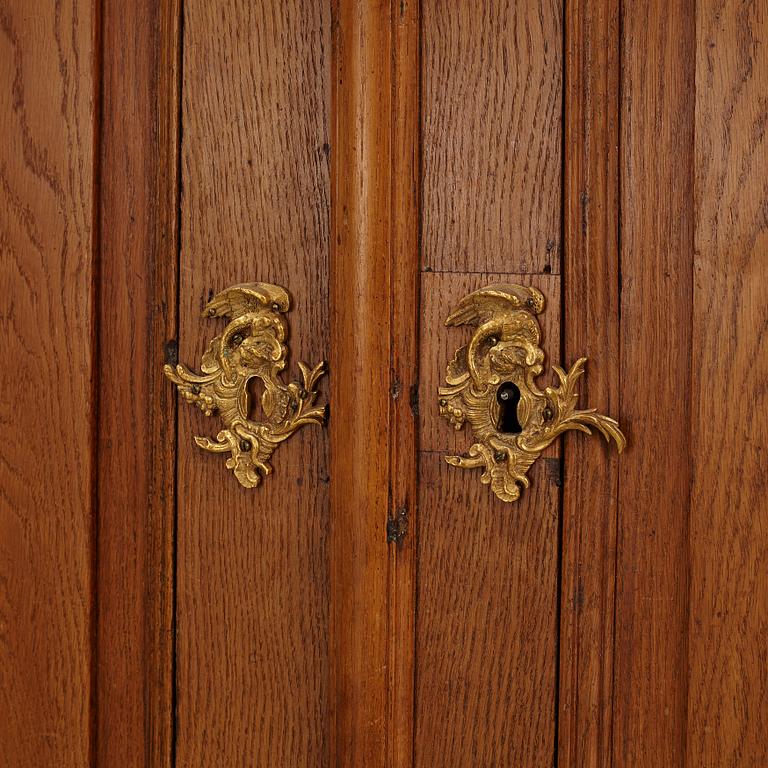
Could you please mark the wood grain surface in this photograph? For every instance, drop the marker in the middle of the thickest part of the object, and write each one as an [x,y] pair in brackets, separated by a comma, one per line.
[374,293]
[137,416]
[591,287]
[47,224]
[404,377]
[728,644]
[252,572]
[492,133]
[487,620]
[487,585]
[656,167]
[613,154]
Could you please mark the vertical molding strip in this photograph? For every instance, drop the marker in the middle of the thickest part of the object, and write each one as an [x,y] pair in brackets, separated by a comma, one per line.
[373,303]
[591,327]
[404,395]
[137,426]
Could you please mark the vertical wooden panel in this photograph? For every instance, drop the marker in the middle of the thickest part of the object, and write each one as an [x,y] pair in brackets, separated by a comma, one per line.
[487,621]
[47,101]
[137,428]
[486,632]
[591,329]
[727,711]
[487,579]
[492,135]
[656,164]
[252,580]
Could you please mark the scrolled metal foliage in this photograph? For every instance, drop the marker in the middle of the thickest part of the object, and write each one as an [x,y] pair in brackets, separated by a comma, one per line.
[251,346]
[504,356]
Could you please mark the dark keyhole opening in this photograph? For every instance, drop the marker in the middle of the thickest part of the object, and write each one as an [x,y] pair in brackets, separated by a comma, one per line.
[508,396]
[254,391]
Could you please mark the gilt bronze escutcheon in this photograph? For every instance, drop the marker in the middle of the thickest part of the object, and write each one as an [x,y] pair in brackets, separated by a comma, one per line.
[251,346]
[491,385]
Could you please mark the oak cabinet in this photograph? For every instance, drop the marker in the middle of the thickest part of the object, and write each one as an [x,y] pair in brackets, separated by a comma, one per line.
[368,604]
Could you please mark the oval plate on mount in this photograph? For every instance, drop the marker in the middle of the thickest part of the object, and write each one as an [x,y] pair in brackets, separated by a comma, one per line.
[496,372]
[251,346]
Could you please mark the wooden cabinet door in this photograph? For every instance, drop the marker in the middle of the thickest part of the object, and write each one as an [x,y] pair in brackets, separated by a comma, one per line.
[368,605]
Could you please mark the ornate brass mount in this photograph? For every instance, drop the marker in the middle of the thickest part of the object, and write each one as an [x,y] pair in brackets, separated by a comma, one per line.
[251,346]
[491,384]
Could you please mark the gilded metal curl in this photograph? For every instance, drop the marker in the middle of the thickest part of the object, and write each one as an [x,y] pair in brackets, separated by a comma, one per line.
[504,352]
[251,346]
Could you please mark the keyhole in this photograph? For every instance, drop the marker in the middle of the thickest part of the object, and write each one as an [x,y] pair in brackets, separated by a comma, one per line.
[254,392]
[508,396]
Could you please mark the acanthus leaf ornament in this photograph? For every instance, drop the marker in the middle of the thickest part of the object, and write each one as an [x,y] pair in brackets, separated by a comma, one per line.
[499,365]
[251,346]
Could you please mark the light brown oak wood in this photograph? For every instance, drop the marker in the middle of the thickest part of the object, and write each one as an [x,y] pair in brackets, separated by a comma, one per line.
[373,298]
[252,565]
[361,321]
[404,387]
[137,329]
[48,90]
[487,619]
[486,651]
[611,153]
[492,135]
[591,289]
[656,199]
[727,716]
[487,573]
